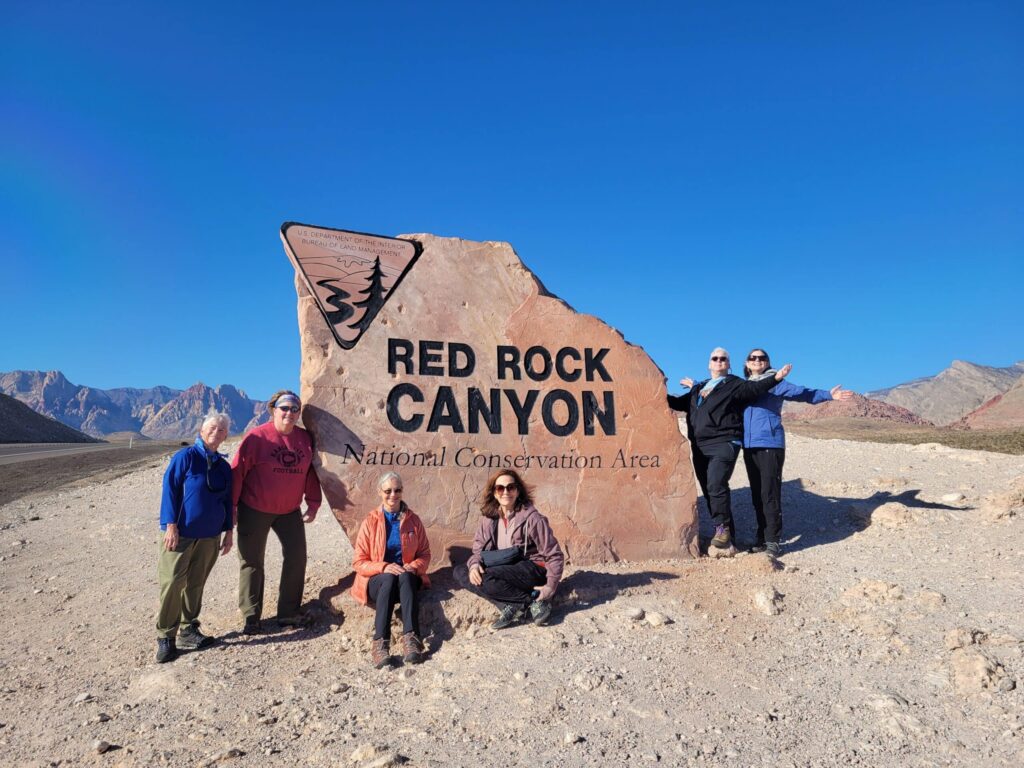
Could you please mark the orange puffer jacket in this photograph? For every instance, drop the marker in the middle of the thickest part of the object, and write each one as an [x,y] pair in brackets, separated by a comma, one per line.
[371,543]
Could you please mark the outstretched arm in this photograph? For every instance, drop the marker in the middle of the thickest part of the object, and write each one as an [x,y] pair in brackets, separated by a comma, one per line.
[838,393]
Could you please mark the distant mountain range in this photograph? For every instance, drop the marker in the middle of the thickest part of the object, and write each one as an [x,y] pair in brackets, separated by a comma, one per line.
[20,424]
[159,412]
[952,394]
[963,396]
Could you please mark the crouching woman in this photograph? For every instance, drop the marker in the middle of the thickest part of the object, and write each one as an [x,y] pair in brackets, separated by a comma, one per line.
[516,561]
[391,558]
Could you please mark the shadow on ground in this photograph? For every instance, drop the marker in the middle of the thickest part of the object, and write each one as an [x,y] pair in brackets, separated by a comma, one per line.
[810,519]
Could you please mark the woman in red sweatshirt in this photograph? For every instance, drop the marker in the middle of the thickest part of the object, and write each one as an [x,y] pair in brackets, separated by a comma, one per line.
[271,473]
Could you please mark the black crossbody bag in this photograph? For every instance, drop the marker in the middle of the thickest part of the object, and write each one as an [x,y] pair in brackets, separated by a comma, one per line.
[507,556]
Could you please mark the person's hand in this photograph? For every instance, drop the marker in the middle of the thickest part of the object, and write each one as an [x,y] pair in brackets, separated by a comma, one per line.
[226,542]
[476,575]
[783,372]
[687,382]
[838,393]
[310,516]
[545,593]
[171,537]
[409,568]
[394,569]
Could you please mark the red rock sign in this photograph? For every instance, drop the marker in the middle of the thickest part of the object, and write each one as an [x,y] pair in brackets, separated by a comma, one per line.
[444,360]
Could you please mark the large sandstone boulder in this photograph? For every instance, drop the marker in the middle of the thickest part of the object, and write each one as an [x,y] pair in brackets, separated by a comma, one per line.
[445,359]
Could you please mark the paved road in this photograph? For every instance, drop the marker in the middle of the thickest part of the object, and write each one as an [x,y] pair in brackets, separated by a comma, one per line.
[11,453]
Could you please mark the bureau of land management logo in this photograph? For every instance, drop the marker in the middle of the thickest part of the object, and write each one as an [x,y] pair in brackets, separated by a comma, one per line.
[350,274]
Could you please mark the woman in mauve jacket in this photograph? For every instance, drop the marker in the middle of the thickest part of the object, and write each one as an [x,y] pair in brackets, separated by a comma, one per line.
[714,420]
[511,523]
[391,558]
[764,445]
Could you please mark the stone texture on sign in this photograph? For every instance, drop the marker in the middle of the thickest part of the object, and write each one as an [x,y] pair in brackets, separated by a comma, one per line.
[482,295]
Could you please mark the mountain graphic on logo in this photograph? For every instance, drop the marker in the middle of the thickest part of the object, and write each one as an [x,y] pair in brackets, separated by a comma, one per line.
[350,274]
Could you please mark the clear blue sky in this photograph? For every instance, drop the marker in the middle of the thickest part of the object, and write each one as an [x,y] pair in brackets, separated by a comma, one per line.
[841,183]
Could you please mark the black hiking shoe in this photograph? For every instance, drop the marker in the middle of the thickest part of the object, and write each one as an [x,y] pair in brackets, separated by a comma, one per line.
[510,614]
[773,549]
[166,650]
[540,612]
[252,626]
[191,639]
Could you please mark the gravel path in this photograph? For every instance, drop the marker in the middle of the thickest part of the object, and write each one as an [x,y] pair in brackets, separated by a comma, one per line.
[890,634]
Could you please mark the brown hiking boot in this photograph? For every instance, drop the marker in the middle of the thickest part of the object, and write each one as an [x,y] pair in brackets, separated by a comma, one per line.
[380,653]
[412,648]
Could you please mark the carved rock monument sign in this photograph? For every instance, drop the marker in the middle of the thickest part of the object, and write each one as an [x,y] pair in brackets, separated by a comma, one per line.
[445,360]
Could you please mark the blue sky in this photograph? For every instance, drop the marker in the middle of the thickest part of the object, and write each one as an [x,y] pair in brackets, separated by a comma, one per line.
[840,183]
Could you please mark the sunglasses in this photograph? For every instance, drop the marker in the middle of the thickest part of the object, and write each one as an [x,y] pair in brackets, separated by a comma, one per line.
[288,408]
[758,358]
[511,488]
[389,491]
[719,359]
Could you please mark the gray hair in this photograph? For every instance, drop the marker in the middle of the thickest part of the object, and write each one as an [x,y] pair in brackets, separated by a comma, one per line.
[389,476]
[216,416]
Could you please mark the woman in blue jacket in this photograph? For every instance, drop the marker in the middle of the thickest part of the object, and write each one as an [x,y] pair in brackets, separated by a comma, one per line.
[764,445]
[195,511]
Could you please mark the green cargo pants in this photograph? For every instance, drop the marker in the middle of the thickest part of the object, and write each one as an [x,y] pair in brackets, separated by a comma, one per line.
[182,574]
[253,528]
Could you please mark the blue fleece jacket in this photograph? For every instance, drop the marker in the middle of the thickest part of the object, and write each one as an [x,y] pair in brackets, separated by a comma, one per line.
[197,493]
[762,421]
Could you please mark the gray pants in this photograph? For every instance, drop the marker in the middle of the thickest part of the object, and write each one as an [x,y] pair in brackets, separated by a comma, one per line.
[182,574]
[253,529]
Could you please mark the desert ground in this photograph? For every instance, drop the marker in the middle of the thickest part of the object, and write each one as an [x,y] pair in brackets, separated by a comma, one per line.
[891,632]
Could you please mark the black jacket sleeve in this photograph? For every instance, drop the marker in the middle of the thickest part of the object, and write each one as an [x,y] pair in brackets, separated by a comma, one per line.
[680,402]
[749,391]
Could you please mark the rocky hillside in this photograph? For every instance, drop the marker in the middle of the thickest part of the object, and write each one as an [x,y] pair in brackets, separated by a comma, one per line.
[20,424]
[1005,411]
[159,412]
[953,393]
[858,407]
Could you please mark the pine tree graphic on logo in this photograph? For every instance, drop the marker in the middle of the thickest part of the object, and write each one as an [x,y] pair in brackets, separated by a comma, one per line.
[350,274]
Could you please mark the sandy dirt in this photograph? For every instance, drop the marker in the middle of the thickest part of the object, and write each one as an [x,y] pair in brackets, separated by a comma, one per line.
[889,634]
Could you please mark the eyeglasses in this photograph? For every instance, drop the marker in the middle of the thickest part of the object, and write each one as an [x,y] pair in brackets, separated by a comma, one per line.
[511,488]
[719,359]
[757,358]
[389,491]
[288,408]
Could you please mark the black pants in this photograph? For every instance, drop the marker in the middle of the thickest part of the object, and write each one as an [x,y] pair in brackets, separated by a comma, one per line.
[513,584]
[713,465]
[387,590]
[253,529]
[764,468]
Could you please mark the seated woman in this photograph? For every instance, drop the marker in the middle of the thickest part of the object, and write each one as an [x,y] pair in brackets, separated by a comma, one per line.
[391,558]
[518,537]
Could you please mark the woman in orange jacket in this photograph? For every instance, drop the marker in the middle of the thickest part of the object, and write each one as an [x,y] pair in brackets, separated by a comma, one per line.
[391,558]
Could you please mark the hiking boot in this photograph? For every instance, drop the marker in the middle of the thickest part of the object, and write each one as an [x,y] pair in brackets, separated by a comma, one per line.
[540,612]
[252,626]
[509,615]
[166,650]
[380,653]
[721,539]
[412,648]
[191,639]
[772,549]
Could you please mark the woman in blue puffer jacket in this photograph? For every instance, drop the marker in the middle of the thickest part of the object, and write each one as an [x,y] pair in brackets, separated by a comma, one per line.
[764,445]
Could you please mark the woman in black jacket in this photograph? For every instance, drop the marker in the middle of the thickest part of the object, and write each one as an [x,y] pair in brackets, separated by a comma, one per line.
[714,420]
